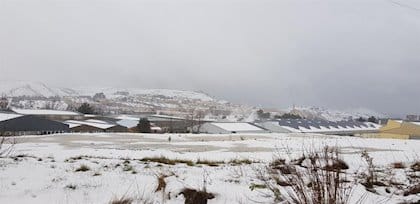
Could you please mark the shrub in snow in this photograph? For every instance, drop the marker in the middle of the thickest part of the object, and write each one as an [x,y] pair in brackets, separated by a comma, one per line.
[82,168]
[319,177]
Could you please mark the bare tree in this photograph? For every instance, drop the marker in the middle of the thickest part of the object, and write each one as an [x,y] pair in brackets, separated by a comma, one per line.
[4,103]
[200,117]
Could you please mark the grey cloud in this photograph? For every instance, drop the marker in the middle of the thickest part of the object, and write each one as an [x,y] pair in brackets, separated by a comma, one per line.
[340,54]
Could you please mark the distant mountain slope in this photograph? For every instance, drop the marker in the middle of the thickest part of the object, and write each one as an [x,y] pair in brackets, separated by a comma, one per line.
[37,89]
[34,95]
[21,88]
[175,102]
[115,92]
[334,115]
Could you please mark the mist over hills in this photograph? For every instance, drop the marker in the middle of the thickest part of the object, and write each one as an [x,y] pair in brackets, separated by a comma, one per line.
[36,95]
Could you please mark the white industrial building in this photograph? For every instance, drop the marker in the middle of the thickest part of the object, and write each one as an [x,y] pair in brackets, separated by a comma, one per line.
[228,128]
[319,126]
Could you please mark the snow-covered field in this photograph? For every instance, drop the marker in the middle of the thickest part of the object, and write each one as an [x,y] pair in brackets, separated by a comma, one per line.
[46,169]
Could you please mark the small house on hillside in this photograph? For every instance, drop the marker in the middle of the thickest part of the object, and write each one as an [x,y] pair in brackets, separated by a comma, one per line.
[12,124]
[228,128]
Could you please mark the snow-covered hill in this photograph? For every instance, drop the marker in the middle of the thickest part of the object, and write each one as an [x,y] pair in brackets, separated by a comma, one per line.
[170,93]
[117,101]
[37,89]
[334,115]
[175,102]
[33,89]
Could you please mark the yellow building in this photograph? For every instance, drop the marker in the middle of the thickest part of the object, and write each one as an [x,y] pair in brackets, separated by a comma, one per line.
[400,130]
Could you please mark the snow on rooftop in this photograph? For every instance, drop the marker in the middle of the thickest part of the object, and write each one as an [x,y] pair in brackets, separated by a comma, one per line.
[101,125]
[167,117]
[96,121]
[43,112]
[8,116]
[128,123]
[290,129]
[126,117]
[307,127]
[416,123]
[237,126]
[73,125]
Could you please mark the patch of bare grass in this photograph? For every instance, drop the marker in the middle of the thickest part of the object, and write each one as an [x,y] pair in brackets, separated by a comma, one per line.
[161,183]
[415,166]
[240,162]
[164,160]
[209,163]
[122,200]
[71,187]
[193,196]
[82,168]
[414,190]
[398,165]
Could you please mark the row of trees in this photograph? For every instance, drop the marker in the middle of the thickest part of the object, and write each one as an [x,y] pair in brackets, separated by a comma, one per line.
[266,115]
[371,119]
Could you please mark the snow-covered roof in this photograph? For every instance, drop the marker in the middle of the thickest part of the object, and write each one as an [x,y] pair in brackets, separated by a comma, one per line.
[156,128]
[127,117]
[8,116]
[96,121]
[323,126]
[416,123]
[237,127]
[128,123]
[166,117]
[98,124]
[44,112]
[72,125]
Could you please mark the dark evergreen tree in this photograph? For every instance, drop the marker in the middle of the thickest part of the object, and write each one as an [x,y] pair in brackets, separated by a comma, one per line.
[86,108]
[361,119]
[144,126]
[263,115]
[372,119]
[289,116]
[4,103]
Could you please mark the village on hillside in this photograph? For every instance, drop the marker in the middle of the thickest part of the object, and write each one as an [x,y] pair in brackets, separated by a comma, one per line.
[193,155]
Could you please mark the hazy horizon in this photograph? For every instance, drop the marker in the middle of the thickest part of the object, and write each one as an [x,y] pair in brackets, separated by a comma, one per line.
[327,53]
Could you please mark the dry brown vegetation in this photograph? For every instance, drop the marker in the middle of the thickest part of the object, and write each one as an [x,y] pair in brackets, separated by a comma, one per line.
[398,165]
[164,160]
[161,183]
[317,177]
[196,197]
[122,200]
[83,168]
[209,163]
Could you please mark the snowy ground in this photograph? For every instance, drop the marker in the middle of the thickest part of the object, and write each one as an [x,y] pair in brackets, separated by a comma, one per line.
[43,169]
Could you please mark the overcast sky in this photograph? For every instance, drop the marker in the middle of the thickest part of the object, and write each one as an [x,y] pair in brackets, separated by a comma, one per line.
[330,53]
